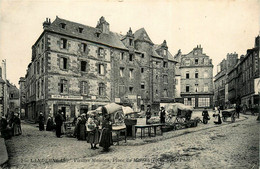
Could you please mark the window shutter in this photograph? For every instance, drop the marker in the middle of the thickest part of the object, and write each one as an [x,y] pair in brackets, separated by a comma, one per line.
[65,86]
[61,44]
[59,87]
[61,63]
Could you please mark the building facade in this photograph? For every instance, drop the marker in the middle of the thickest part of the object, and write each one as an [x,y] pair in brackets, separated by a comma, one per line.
[22,97]
[196,78]
[222,90]
[76,68]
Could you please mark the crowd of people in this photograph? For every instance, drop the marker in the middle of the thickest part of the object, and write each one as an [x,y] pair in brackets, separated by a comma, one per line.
[11,127]
[93,128]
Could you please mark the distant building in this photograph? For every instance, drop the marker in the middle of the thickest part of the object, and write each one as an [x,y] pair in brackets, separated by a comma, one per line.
[76,68]
[196,78]
[14,104]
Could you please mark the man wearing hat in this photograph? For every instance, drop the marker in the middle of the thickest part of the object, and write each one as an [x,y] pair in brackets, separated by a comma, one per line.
[162,115]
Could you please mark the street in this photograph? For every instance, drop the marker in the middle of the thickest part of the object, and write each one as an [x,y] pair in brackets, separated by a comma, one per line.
[229,145]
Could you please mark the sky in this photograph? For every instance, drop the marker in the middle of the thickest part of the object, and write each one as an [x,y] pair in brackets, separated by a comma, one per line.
[220,27]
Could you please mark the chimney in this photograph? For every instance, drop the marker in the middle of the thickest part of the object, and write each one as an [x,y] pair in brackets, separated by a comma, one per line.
[46,23]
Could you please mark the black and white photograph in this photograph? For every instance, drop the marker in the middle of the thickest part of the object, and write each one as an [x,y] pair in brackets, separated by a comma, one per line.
[129,84]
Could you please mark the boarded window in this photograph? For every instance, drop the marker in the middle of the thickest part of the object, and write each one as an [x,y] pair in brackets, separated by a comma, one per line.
[101,89]
[100,51]
[121,90]
[84,88]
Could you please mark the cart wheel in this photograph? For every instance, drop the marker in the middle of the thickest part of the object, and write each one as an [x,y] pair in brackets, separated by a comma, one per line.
[233,119]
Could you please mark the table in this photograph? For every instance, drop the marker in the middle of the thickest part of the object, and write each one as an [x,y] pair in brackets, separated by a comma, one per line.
[143,127]
[157,125]
[118,130]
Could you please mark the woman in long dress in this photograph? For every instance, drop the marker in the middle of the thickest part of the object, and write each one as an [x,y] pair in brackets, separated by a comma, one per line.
[93,133]
[106,134]
[82,128]
[17,125]
[50,124]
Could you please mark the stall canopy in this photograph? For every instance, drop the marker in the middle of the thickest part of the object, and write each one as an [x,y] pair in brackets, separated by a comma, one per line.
[112,108]
[173,107]
[127,110]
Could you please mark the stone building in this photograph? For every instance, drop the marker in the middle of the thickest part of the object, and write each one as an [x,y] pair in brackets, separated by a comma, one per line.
[76,68]
[196,78]
[14,105]
[221,88]
[249,78]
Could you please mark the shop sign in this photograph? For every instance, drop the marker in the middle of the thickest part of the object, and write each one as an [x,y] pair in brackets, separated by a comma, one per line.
[67,97]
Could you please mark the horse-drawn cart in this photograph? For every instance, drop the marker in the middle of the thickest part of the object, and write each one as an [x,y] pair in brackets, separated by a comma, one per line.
[229,113]
[182,114]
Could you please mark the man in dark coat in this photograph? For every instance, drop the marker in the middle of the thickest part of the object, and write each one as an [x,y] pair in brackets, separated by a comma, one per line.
[41,122]
[58,121]
[162,115]
[205,115]
[238,110]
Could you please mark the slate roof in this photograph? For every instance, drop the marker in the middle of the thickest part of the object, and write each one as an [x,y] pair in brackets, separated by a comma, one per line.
[89,33]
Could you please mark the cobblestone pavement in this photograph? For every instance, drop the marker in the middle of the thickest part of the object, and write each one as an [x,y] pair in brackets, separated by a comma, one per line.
[230,145]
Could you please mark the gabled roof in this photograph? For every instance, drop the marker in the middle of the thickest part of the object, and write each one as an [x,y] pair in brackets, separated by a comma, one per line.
[89,33]
[142,35]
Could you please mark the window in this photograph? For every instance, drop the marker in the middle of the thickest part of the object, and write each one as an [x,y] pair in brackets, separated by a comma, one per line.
[156,77]
[131,57]
[187,75]
[83,47]
[121,90]
[165,65]
[196,61]
[142,85]
[63,25]
[142,70]
[131,89]
[11,95]
[122,55]
[130,42]
[165,93]
[83,66]
[42,65]
[42,43]
[189,102]
[187,88]
[63,86]
[187,62]
[101,69]
[196,74]
[42,87]
[101,89]
[63,63]
[142,107]
[38,67]
[98,34]
[121,71]
[80,30]
[131,71]
[100,51]
[142,55]
[164,52]
[206,88]
[84,88]
[203,102]
[63,43]
[156,91]
[165,79]
[196,87]
[206,74]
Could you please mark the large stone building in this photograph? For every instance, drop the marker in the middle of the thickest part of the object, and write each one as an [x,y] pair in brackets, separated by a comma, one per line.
[242,79]
[76,68]
[196,78]
[221,88]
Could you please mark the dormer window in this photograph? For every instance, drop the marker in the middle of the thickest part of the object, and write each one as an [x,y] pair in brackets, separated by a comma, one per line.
[164,52]
[130,42]
[196,61]
[80,30]
[63,25]
[98,34]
